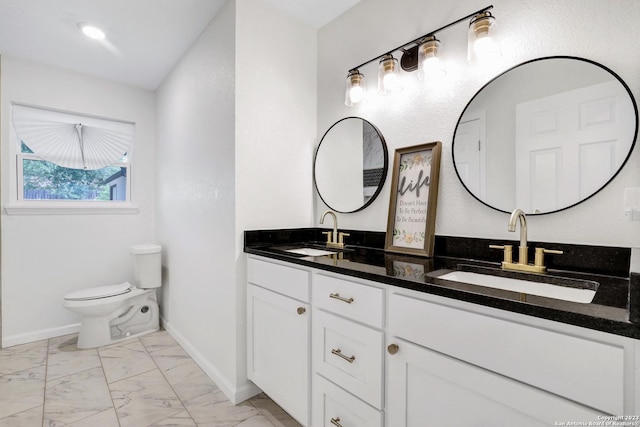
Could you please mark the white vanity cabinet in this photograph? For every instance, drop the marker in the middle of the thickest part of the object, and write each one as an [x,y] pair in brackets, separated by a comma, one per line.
[460,364]
[347,352]
[278,324]
[339,351]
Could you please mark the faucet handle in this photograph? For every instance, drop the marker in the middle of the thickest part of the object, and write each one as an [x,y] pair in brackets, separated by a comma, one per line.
[539,257]
[341,237]
[329,236]
[508,251]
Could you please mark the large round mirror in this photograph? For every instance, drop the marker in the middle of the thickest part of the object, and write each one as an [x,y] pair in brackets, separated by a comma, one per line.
[350,165]
[545,135]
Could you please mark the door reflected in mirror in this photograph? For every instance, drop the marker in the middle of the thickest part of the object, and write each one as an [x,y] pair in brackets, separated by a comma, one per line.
[545,135]
[350,165]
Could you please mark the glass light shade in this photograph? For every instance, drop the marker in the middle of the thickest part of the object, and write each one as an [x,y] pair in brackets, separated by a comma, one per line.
[355,90]
[482,47]
[389,80]
[430,67]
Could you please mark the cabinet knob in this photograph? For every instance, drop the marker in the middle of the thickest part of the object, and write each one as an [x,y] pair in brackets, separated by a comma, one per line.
[336,422]
[393,349]
[301,310]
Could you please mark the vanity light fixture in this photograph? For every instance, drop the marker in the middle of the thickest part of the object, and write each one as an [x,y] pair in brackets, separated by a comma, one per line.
[422,53]
[356,89]
[91,31]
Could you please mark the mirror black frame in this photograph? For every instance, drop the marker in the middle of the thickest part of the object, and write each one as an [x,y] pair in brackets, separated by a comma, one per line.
[635,135]
[384,172]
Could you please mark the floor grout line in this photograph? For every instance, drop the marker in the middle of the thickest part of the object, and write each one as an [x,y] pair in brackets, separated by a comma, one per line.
[167,380]
[44,388]
[104,374]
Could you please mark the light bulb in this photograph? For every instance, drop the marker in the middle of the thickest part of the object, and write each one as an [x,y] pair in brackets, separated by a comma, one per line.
[389,80]
[482,45]
[356,93]
[485,48]
[429,64]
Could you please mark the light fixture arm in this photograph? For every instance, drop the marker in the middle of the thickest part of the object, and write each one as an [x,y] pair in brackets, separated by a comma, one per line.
[417,40]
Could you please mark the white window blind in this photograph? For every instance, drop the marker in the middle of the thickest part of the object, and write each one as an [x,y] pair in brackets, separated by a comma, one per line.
[72,140]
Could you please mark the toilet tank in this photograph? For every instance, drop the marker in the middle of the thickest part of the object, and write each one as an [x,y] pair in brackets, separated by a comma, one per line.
[147,265]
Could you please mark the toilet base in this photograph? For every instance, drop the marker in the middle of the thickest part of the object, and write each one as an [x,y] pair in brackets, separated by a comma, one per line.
[94,332]
[138,316]
[100,334]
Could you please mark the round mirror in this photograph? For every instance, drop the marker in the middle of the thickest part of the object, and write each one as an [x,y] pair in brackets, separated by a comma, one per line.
[545,135]
[350,165]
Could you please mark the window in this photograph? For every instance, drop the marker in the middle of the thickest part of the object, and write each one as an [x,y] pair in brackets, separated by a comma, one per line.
[43,180]
[70,159]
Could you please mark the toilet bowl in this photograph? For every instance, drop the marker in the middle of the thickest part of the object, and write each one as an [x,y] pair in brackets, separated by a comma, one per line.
[113,313]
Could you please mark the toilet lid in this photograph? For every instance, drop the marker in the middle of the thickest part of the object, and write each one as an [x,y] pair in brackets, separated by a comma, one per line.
[99,292]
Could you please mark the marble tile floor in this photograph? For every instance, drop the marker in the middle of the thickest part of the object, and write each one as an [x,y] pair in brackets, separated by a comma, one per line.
[144,381]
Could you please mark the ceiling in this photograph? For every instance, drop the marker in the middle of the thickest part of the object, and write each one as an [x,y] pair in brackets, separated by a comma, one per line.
[145,38]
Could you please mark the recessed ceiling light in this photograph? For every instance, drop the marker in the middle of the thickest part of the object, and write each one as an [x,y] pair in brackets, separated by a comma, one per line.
[91,31]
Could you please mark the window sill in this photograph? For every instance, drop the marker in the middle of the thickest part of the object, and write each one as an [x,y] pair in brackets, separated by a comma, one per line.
[82,208]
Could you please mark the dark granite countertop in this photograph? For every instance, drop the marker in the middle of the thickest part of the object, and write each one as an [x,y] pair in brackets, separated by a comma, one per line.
[614,309]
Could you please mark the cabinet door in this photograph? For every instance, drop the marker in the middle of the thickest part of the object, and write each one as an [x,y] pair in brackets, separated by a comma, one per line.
[584,369]
[426,388]
[278,349]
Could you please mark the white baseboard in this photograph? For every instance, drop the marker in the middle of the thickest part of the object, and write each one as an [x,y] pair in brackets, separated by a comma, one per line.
[234,394]
[43,334]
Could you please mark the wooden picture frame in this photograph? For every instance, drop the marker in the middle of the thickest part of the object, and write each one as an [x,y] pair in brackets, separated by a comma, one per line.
[414,197]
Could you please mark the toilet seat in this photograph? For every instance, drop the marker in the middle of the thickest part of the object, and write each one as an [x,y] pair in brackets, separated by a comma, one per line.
[99,292]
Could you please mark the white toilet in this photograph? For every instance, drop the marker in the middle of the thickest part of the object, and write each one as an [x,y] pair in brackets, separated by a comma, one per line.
[113,313]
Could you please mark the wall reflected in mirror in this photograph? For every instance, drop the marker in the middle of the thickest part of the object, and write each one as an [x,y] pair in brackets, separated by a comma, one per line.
[545,135]
[350,165]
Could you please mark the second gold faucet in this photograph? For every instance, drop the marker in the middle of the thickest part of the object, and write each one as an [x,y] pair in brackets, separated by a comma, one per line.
[523,250]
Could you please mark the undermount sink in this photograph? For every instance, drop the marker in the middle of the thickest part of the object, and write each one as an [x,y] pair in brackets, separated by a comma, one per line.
[309,251]
[573,290]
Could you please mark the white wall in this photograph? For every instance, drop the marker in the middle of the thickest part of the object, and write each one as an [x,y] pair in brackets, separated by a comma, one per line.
[600,31]
[275,131]
[196,201]
[275,118]
[45,257]
[236,126]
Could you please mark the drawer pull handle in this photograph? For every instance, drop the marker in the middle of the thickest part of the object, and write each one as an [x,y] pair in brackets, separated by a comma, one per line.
[393,349]
[338,297]
[338,353]
[336,422]
[301,310]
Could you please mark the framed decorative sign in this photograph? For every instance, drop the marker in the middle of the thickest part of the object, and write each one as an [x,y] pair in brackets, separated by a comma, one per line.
[414,196]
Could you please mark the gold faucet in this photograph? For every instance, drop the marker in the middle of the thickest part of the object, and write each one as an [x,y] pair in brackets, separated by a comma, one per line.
[334,239]
[523,250]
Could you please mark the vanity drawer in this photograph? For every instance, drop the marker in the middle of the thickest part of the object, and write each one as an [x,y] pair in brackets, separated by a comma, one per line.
[289,281]
[586,370]
[349,354]
[349,299]
[346,410]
